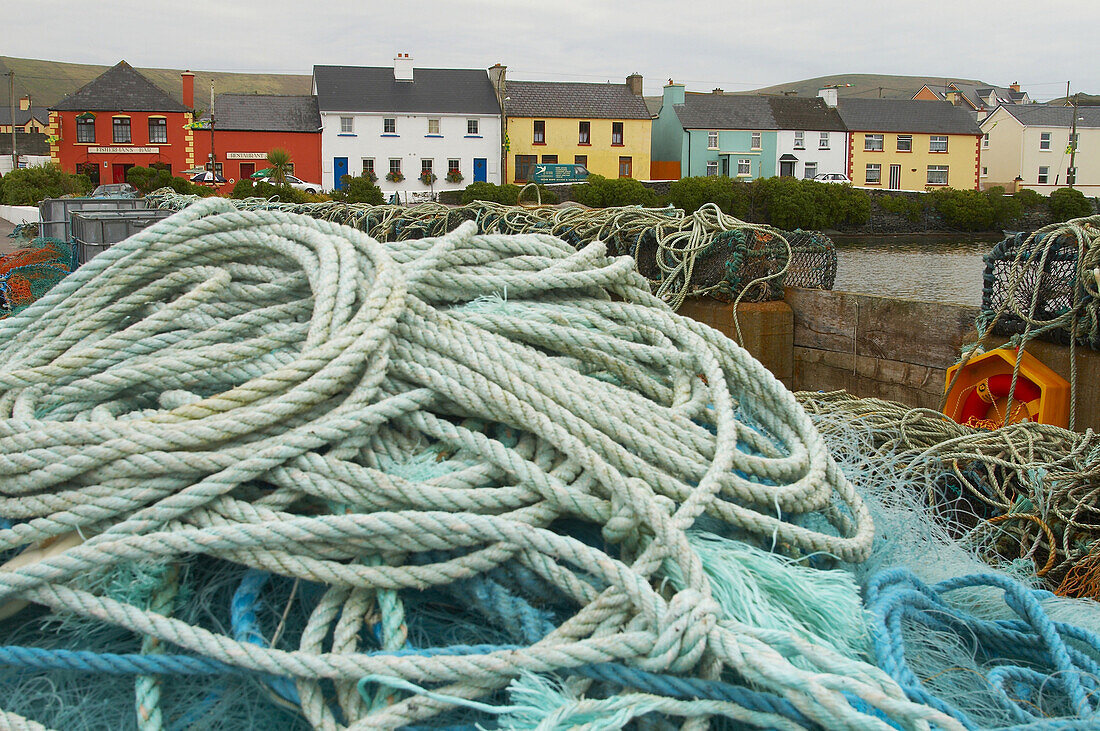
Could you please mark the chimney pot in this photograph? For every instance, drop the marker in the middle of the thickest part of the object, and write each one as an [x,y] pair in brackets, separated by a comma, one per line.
[634,84]
[402,67]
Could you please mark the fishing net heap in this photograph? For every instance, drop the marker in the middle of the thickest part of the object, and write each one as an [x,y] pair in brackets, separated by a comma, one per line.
[706,253]
[1045,284]
[259,466]
[1027,491]
[30,271]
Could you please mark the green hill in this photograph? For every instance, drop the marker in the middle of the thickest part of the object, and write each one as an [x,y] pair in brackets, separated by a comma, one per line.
[48,82]
[865,86]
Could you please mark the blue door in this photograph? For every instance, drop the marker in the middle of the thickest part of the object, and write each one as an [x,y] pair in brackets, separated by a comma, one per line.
[479,170]
[339,170]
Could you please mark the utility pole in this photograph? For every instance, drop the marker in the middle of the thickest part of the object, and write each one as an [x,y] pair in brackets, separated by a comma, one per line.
[11,99]
[213,167]
[1071,174]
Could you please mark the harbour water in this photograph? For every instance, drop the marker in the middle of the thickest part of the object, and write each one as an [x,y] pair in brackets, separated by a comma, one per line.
[944,269]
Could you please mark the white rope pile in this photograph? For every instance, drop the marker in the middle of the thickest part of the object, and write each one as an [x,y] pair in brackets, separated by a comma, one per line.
[241,385]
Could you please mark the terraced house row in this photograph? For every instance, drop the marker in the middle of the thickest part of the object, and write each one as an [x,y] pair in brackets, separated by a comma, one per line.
[426,130]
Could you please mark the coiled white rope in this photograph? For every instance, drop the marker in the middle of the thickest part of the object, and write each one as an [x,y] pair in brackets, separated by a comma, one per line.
[235,383]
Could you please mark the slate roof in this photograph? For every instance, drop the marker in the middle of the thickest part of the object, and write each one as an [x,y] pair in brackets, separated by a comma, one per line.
[805,113]
[1043,115]
[267,113]
[574,100]
[373,89]
[119,89]
[906,115]
[722,111]
[22,116]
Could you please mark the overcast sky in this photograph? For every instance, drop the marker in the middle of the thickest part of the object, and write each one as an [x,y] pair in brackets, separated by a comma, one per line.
[705,44]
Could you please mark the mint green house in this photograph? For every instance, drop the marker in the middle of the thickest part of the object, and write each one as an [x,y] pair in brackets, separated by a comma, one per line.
[745,136]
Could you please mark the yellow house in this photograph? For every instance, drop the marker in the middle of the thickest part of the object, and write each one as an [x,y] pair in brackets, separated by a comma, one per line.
[605,127]
[27,118]
[907,144]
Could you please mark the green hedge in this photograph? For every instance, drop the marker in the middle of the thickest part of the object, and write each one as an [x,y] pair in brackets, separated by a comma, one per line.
[507,194]
[28,186]
[600,192]
[1067,203]
[972,210]
[787,203]
[904,206]
[359,189]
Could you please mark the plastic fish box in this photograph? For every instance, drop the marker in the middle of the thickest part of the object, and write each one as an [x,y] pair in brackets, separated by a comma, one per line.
[55,214]
[96,231]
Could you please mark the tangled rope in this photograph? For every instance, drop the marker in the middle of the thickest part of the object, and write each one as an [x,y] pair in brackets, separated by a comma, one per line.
[706,253]
[1028,490]
[30,271]
[506,418]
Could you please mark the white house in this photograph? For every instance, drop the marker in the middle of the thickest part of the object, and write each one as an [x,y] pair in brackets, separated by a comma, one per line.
[404,121]
[1032,142]
[811,138]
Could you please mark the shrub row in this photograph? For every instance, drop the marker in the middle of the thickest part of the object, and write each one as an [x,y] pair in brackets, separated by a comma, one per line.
[788,203]
[971,210]
[28,186]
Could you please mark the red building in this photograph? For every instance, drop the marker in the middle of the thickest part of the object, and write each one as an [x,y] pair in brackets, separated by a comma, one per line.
[121,119]
[248,126]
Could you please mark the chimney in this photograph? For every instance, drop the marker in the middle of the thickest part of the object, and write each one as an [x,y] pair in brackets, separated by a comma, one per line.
[24,103]
[829,96]
[402,67]
[497,77]
[673,93]
[634,84]
[1015,86]
[716,91]
[188,80]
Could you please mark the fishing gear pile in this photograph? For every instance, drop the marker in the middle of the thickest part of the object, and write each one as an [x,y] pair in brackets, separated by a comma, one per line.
[465,479]
[703,254]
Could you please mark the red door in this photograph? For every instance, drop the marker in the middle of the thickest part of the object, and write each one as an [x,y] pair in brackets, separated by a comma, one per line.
[247,168]
[118,173]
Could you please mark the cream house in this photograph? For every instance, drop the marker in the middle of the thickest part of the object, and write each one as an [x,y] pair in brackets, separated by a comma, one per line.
[1031,143]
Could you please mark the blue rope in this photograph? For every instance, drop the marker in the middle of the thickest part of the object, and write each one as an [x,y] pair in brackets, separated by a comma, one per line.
[1032,654]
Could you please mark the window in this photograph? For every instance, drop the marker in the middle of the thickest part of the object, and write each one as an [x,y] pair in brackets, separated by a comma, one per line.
[85,130]
[905,143]
[472,127]
[799,140]
[985,172]
[1044,140]
[823,141]
[1044,174]
[755,141]
[712,139]
[625,167]
[873,174]
[712,168]
[121,129]
[158,130]
[389,126]
[217,167]
[426,166]
[584,133]
[453,166]
[368,166]
[525,165]
[744,166]
[433,126]
[937,175]
[539,136]
[347,125]
[985,140]
[811,170]
[616,133]
[549,159]
[395,165]
[580,160]
[937,143]
[872,143]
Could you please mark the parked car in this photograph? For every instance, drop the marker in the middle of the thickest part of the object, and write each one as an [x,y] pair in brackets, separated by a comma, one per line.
[832,178]
[300,184]
[115,190]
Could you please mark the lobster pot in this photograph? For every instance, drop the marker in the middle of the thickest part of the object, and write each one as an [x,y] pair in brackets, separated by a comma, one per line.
[1039,282]
[95,232]
[813,260]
